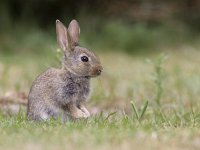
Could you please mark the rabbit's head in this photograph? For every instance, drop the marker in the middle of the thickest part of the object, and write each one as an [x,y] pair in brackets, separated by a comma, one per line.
[78,60]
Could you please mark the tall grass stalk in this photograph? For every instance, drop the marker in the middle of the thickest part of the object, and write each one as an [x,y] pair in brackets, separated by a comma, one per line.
[159,76]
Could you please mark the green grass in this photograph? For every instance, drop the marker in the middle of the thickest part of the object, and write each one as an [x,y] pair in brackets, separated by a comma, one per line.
[174,124]
[101,133]
[139,102]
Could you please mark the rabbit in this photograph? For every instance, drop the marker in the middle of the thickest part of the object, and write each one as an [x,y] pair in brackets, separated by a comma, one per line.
[62,93]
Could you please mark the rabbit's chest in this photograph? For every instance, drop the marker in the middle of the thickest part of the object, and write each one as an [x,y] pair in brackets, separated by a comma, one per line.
[76,89]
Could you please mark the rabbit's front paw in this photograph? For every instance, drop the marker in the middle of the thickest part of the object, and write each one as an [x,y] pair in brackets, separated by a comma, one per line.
[79,114]
[84,110]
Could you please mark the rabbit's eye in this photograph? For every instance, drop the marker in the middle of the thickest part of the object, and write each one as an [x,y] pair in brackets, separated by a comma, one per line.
[84,58]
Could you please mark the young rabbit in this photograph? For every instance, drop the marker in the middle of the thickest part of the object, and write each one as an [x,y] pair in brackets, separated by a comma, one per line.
[62,93]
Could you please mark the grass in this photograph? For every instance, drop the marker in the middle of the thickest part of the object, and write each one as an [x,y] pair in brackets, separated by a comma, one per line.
[173,125]
[98,133]
[139,102]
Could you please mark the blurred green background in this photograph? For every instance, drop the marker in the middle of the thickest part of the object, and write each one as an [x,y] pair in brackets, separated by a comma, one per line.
[133,26]
[129,36]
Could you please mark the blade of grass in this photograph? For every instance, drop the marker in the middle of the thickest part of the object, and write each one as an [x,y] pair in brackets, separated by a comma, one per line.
[109,115]
[135,110]
[144,109]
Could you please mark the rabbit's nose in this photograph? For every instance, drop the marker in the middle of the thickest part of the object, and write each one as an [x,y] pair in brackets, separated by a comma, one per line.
[99,70]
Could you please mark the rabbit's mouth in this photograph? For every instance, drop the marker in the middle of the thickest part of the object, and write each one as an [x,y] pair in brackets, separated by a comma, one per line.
[94,75]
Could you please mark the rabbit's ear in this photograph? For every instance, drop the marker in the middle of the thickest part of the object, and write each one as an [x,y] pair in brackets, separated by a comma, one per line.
[63,37]
[74,32]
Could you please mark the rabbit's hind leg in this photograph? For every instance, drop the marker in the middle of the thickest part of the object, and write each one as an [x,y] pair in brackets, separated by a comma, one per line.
[43,115]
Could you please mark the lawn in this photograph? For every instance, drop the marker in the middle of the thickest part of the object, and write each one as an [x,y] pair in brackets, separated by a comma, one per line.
[167,83]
